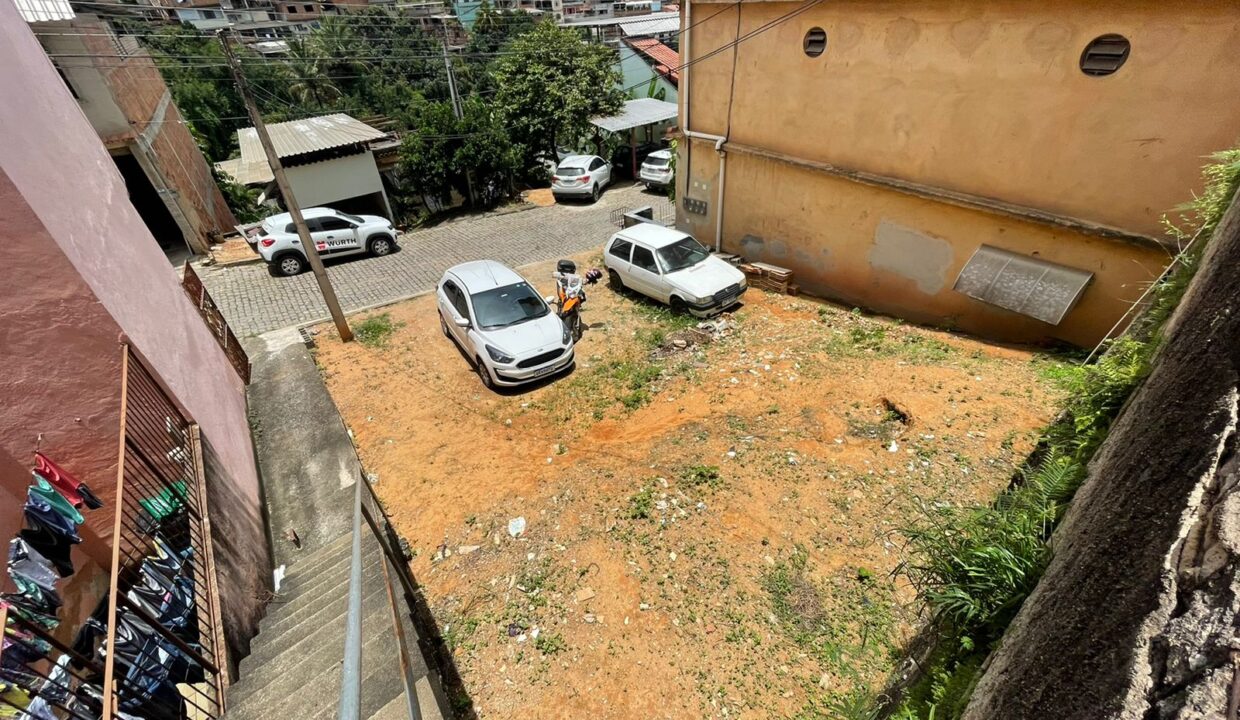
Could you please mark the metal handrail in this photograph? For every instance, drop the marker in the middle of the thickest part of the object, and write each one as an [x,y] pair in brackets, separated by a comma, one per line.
[351,668]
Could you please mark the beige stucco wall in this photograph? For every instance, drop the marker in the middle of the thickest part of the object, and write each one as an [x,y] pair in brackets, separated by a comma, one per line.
[985,99]
[329,181]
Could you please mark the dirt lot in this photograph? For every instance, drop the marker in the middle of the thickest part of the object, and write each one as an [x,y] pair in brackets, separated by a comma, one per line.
[711,530]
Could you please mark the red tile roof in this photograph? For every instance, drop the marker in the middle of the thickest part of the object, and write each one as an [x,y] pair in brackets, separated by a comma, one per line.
[666,60]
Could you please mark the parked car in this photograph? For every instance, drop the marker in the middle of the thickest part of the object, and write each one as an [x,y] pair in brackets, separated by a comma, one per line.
[334,233]
[581,176]
[672,267]
[622,160]
[657,169]
[502,324]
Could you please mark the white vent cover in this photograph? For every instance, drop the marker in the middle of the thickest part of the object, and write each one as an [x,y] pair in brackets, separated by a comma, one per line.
[1039,289]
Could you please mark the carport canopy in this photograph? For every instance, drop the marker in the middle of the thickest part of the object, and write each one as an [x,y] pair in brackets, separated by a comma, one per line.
[637,113]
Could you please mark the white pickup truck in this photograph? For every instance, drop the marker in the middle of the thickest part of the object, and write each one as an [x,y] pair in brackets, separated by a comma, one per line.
[672,267]
[334,234]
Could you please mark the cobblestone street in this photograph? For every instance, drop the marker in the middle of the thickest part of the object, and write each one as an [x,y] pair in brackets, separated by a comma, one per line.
[254,302]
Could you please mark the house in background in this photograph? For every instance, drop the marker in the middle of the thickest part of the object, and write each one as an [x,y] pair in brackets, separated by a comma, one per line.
[1001,168]
[120,90]
[329,159]
[110,370]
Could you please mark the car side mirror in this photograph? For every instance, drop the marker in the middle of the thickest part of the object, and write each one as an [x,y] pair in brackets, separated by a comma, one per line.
[462,322]
[550,299]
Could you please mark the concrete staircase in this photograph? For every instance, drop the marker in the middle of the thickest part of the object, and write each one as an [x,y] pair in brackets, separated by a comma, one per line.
[293,670]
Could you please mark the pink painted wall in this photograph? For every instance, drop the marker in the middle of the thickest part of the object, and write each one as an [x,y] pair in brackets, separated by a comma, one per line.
[77,269]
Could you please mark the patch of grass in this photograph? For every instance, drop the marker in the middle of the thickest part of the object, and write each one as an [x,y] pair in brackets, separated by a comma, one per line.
[634,379]
[374,331]
[549,643]
[700,476]
[641,504]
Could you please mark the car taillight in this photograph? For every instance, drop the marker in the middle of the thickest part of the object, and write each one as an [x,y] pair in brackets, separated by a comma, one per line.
[583,178]
[267,242]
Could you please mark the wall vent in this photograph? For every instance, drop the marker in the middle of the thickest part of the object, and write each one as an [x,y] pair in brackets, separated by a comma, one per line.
[815,42]
[1105,55]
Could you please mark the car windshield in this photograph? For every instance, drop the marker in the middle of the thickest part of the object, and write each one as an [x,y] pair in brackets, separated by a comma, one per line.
[569,171]
[352,218]
[508,305]
[656,162]
[684,253]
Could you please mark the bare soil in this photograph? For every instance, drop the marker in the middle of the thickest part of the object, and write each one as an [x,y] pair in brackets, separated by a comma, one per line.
[712,527]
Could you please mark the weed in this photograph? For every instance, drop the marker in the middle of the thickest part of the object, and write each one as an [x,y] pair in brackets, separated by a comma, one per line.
[641,503]
[549,643]
[703,476]
[374,331]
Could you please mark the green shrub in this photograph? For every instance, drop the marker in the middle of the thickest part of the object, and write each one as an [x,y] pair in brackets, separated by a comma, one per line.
[373,332]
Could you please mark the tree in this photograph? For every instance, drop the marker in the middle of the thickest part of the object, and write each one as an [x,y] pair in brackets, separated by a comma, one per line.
[549,88]
[310,83]
[440,149]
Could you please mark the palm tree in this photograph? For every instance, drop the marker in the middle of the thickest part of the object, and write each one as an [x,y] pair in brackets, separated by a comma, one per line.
[310,83]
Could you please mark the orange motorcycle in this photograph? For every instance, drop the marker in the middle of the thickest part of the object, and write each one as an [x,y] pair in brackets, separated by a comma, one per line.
[570,294]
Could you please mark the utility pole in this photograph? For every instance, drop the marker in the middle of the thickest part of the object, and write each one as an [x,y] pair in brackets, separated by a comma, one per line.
[286,191]
[459,111]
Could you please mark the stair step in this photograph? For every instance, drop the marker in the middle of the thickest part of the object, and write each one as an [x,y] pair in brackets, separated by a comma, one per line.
[297,606]
[329,614]
[308,563]
[315,690]
[381,678]
[335,564]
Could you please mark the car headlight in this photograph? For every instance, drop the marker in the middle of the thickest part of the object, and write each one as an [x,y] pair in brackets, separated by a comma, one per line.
[565,336]
[498,355]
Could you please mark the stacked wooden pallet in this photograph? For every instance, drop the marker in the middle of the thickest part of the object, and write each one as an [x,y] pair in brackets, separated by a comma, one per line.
[769,277]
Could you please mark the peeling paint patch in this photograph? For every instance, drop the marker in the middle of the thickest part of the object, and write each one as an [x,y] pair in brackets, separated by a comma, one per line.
[922,258]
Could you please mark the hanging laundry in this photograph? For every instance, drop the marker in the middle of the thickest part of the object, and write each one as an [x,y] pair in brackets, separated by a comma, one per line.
[39,512]
[14,699]
[167,501]
[58,683]
[39,710]
[28,563]
[59,502]
[33,597]
[51,545]
[76,492]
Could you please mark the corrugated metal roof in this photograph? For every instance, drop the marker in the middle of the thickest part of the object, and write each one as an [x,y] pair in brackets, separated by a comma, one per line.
[298,137]
[673,16]
[669,23]
[44,10]
[293,138]
[1029,286]
[643,111]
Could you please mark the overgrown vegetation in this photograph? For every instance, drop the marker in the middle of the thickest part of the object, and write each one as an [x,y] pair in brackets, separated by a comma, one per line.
[974,566]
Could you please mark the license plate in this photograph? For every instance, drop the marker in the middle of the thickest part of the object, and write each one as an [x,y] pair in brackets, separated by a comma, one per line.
[544,371]
[727,300]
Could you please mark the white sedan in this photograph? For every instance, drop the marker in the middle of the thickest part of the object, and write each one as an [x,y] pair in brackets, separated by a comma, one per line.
[501,322]
[672,267]
[581,176]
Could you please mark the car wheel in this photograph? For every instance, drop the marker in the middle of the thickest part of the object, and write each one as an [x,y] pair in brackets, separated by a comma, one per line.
[594,194]
[382,245]
[678,305]
[614,281]
[483,374]
[290,265]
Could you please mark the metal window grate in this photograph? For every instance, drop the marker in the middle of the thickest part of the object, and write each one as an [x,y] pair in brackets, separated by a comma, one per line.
[1036,288]
[815,42]
[1105,55]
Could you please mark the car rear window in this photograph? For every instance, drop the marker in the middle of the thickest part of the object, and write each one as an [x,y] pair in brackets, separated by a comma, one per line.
[656,162]
[569,171]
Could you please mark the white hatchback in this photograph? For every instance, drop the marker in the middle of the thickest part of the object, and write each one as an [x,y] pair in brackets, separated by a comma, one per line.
[581,176]
[501,322]
[672,267]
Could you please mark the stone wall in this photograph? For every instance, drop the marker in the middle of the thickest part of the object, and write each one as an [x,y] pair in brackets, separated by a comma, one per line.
[1137,614]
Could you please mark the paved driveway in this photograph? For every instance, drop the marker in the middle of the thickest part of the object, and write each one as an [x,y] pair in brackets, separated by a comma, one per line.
[255,302]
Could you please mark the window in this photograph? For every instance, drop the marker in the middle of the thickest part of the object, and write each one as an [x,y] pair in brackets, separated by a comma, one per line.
[334,224]
[815,42]
[308,8]
[596,164]
[312,224]
[291,229]
[509,305]
[568,171]
[644,259]
[457,298]
[1022,284]
[682,254]
[1105,55]
[621,249]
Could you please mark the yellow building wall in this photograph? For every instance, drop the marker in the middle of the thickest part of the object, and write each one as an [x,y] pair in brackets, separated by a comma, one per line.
[980,98]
